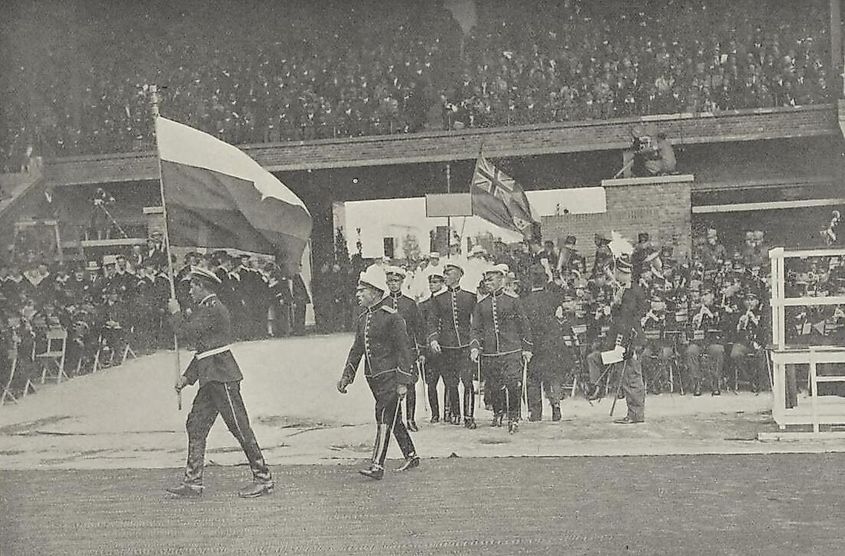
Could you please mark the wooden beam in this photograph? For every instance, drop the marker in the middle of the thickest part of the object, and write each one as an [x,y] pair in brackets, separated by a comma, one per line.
[767,205]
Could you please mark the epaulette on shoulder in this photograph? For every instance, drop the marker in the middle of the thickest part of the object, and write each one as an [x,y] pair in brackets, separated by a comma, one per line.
[482,298]
[441,292]
[388,309]
[511,294]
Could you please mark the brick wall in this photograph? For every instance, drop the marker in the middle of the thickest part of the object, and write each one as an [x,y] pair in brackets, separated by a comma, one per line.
[662,210]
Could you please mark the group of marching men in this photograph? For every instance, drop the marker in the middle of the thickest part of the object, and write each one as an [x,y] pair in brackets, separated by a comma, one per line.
[461,337]
[666,320]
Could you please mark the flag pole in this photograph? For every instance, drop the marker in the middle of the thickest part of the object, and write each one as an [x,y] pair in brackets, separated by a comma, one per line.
[155,98]
[448,218]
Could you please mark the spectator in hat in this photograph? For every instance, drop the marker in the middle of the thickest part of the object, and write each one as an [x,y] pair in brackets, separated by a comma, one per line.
[603,256]
[569,259]
[746,353]
[155,248]
[641,249]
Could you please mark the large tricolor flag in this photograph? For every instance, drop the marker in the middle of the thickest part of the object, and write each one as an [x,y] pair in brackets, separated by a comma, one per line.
[497,198]
[216,196]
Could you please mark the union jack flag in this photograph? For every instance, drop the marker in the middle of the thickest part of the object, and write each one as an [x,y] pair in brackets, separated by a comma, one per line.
[497,198]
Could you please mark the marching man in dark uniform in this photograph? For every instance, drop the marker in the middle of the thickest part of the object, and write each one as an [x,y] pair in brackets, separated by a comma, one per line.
[628,308]
[432,361]
[551,355]
[501,337]
[449,336]
[214,366]
[410,313]
[381,339]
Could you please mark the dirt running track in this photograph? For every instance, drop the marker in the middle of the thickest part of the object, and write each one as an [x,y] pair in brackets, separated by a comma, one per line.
[719,504]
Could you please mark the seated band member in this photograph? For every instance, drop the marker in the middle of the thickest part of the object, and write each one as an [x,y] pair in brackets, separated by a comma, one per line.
[382,341]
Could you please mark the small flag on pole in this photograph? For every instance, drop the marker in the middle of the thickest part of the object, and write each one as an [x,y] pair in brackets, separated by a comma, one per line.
[217,196]
[497,198]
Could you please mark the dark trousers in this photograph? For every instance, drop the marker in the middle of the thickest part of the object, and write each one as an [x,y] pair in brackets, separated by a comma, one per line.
[223,398]
[504,380]
[299,319]
[456,367]
[545,374]
[432,377]
[388,405]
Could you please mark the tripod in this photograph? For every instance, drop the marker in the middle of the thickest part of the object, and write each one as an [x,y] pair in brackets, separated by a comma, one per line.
[111,220]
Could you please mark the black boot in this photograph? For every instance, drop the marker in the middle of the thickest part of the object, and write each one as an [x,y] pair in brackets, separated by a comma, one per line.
[374,471]
[497,420]
[411,408]
[433,403]
[556,412]
[411,462]
[469,409]
[412,426]
[376,468]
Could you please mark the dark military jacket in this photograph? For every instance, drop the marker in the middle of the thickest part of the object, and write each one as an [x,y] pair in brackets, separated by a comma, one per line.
[382,341]
[626,318]
[208,329]
[410,312]
[540,306]
[500,325]
[450,316]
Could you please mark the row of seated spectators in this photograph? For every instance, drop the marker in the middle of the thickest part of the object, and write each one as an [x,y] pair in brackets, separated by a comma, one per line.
[117,309]
[402,68]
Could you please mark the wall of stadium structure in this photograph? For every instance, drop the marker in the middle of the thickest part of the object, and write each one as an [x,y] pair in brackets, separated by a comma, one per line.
[660,206]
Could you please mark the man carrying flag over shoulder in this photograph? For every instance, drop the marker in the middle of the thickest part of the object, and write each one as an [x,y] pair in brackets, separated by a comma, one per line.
[215,196]
[209,328]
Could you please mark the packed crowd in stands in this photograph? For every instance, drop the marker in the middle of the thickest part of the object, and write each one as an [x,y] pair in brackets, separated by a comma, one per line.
[87,87]
[694,303]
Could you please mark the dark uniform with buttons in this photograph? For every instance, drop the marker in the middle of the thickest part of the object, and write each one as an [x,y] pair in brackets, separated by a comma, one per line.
[209,328]
[449,325]
[410,313]
[501,332]
[551,355]
[381,339]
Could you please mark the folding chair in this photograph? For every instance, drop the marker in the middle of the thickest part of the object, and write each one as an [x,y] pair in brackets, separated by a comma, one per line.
[127,349]
[7,388]
[52,357]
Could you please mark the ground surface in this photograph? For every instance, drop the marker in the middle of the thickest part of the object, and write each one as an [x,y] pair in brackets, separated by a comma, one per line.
[126,417]
[742,504]
[84,464]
